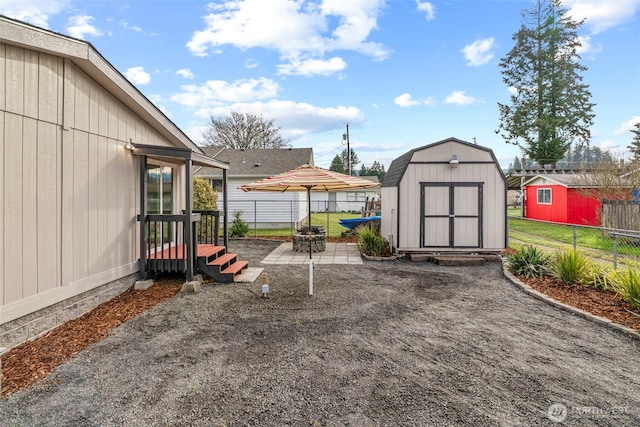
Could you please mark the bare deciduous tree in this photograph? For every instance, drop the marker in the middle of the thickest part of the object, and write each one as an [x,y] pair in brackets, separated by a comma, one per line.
[238,131]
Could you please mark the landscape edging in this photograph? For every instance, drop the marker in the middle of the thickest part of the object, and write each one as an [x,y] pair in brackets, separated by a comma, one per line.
[631,333]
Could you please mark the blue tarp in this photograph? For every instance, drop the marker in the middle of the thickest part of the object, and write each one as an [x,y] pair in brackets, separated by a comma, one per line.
[354,222]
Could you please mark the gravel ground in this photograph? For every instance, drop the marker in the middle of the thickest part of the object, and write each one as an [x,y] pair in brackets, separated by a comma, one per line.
[384,343]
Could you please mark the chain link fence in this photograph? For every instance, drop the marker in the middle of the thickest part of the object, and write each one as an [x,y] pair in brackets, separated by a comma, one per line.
[605,245]
[285,214]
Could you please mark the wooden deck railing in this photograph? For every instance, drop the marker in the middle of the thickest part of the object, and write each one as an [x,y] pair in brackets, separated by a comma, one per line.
[166,248]
[207,231]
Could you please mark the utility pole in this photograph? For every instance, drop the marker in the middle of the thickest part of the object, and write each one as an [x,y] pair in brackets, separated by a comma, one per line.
[345,137]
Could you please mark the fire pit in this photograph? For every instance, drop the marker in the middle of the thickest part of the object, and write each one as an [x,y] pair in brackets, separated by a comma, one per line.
[303,241]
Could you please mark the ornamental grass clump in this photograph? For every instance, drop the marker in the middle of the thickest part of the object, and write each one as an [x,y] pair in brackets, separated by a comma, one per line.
[371,242]
[628,286]
[569,267]
[239,228]
[528,261]
[600,276]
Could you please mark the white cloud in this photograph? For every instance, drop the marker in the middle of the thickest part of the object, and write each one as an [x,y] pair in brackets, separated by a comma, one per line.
[295,118]
[36,12]
[126,26]
[479,52]
[137,76]
[428,9]
[608,145]
[214,93]
[627,125]
[405,100]
[459,98]
[310,67]
[251,63]
[186,73]
[301,32]
[80,25]
[513,90]
[601,15]
[587,46]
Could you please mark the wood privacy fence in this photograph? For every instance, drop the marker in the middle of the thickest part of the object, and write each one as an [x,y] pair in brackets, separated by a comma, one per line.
[621,215]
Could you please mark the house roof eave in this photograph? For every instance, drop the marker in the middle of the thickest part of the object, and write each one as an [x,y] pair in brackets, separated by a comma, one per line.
[88,59]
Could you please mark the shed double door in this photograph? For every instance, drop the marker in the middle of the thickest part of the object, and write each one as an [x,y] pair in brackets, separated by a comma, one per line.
[451,215]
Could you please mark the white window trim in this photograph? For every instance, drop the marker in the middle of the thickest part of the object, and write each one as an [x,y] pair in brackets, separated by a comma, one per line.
[539,190]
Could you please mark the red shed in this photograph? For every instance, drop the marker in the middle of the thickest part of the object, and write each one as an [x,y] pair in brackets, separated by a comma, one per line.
[561,198]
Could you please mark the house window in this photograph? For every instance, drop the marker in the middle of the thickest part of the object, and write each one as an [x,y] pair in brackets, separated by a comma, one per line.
[216,184]
[544,196]
[160,202]
[356,196]
[159,189]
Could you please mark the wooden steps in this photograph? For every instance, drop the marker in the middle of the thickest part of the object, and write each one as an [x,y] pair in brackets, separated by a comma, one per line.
[212,260]
[215,262]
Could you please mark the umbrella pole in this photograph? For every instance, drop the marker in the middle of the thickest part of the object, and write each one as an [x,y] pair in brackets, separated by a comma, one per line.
[310,246]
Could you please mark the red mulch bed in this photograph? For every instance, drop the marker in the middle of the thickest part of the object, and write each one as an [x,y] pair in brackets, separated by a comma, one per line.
[596,301]
[31,361]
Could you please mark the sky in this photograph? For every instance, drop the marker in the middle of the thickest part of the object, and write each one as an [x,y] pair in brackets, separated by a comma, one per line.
[401,74]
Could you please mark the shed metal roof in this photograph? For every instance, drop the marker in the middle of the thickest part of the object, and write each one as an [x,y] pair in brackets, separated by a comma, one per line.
[399,165]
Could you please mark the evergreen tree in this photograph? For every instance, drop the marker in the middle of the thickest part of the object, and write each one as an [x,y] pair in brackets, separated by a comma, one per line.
[354,161]
[364,171]
[634,148]
[378,170]
[337,165]
[551,108]
[516,165]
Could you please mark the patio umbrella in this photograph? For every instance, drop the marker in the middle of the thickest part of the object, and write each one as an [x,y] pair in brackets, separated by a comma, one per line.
[309,178]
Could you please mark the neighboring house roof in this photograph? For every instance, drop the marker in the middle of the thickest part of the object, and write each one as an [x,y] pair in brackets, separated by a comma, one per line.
[254,163]
[89,60]
[398,166]
[569,180]
[373,178]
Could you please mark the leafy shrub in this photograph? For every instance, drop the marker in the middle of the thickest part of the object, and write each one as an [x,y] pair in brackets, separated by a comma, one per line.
[371,243]
[569,266]
[238,228]
[204,197]
[528,261]
[628,286]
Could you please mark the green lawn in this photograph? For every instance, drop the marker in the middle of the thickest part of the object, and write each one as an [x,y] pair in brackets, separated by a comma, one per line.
[330,222]
[558,235]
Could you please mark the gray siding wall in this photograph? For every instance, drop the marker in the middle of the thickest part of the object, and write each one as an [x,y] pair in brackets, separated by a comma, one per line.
[68,187]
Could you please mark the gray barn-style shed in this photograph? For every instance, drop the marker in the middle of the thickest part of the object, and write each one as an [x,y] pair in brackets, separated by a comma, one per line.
[449,196]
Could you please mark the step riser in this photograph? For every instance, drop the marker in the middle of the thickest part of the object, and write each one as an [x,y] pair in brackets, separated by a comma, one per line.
[221,266]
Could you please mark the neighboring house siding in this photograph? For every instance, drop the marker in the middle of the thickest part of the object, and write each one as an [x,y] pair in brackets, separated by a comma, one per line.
[555,211]
[270,209]
[583,210]
[568,205]
[70,188]
[265,208]
[340,201]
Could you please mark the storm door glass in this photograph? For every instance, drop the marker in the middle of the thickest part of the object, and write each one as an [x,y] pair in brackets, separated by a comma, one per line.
[160,200]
